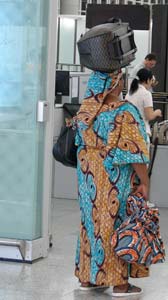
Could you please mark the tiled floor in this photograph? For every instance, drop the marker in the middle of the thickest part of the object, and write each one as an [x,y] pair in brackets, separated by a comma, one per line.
[53,278]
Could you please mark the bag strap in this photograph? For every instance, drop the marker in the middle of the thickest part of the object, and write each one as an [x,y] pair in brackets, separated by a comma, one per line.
[153,156]
[68,111]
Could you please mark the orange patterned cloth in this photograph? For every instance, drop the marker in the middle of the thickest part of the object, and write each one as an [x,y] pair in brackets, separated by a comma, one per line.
[138,238]
[109,138]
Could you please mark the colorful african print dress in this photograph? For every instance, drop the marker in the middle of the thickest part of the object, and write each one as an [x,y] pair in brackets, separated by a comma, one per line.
[108,143]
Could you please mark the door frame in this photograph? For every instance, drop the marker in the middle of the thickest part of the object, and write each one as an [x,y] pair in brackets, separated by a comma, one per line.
[24,250]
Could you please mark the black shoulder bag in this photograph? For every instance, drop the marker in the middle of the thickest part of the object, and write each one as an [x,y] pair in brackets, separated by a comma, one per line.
[64,149]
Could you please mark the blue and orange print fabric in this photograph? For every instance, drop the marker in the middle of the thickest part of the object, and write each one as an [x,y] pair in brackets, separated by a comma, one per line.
[110,138]
[138,238]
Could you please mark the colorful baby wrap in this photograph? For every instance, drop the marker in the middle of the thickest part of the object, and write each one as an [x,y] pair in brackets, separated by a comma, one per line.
[138,238]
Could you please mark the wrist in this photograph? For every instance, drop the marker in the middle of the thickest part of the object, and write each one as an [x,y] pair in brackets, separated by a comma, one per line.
[146,182]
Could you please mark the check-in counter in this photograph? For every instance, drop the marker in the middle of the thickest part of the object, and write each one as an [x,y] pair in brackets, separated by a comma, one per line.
[70,89]
[160,101]
[159,177]
[64,183]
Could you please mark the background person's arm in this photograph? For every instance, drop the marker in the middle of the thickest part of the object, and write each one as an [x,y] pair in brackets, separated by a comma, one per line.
[151,114]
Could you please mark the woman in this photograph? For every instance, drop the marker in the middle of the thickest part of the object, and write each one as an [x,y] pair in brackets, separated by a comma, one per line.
[111,149]
[141,97]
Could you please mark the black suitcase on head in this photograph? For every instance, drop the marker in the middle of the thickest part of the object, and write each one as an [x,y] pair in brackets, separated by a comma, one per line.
[107,47]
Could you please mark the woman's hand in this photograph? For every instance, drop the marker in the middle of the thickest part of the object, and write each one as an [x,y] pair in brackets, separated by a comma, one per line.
[142,172]
[154,82]
[144,190]
[158,112]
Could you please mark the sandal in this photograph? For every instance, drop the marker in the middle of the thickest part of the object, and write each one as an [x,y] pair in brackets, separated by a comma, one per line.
[132,290]
[90,286]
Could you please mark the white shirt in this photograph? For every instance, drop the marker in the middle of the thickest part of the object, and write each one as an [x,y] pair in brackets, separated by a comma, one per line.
[136,69]
[141,98]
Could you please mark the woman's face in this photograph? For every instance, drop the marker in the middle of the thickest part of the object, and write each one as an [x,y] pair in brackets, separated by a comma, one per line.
[117,84]
[117,81]
[121,84]
[149,83]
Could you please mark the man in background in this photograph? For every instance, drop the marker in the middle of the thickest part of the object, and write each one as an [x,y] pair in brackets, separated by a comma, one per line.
[148,63]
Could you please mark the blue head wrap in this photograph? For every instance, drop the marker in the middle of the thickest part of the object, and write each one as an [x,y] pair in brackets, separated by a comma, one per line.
[98,82]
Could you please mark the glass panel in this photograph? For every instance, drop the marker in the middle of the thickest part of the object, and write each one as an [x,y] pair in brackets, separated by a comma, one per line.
[23,52]
[81,28]
[142,42]
[66,40]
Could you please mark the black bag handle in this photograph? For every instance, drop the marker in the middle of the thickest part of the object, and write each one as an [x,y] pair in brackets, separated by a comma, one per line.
[67,110]
[153,156]
[114,20]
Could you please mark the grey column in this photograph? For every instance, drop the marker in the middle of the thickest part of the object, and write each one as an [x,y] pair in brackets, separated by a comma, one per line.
[70,7]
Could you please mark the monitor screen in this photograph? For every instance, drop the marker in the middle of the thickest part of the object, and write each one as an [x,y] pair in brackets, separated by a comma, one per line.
[62,83]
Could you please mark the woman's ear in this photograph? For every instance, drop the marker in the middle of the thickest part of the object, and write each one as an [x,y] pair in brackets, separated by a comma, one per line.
[149,81]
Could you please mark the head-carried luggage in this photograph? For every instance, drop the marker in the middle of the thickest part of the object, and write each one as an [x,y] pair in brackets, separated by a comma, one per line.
[107,47]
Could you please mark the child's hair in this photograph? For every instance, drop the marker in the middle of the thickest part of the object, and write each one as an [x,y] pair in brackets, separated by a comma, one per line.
[142,77]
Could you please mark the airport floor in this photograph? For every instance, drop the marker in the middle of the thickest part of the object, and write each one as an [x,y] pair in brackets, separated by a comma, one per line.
[53,278]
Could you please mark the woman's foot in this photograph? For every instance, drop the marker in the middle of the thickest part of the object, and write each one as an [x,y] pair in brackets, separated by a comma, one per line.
[90,286]
[125,290]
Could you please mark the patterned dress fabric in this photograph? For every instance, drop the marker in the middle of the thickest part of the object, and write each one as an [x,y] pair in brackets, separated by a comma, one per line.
[98,82]
[138,238]
[109,138]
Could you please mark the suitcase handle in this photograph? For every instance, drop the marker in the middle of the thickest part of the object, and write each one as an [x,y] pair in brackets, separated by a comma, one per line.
[114,20]
[118,41]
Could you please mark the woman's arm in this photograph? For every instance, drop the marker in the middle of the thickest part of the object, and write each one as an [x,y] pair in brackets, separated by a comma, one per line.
[142,172]
[151,114]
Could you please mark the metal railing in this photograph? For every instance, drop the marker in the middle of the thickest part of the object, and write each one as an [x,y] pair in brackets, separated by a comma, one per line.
[134,2]
[69,67]
[83,3]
